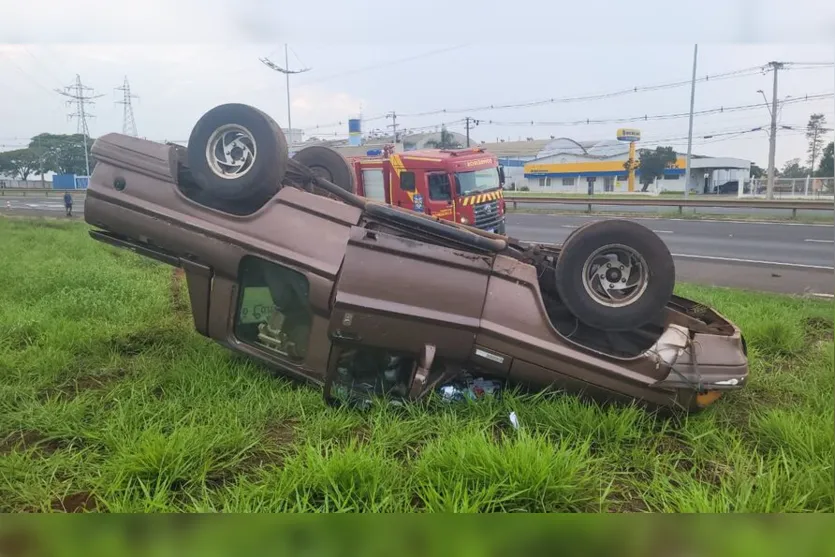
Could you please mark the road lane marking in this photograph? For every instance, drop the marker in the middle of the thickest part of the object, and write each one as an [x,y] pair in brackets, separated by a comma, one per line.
[728,259]
[598,217]
[820,241]
[757,261]
[663,231]
[569,226]
[822,295]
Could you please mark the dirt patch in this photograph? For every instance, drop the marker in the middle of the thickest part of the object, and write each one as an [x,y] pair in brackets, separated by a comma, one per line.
[80,502]
[817,328]
[28,439]
[281,433]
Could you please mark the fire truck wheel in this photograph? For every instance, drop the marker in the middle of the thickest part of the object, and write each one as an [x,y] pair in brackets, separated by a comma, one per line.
[328,164]
[237,153]
[615,275]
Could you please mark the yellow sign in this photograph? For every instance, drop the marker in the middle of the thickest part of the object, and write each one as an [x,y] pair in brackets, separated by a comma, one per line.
[628,134]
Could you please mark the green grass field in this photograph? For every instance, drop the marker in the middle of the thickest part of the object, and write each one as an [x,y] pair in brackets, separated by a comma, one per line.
[110,401]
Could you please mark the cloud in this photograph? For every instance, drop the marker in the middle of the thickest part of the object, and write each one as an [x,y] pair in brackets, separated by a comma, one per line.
[144,21]
[313,106]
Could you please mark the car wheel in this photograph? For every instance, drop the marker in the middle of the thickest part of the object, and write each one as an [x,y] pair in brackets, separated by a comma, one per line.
[237,153]
[615,275]
[326,163]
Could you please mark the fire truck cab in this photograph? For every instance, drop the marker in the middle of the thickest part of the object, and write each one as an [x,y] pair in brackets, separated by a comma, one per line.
[461,185]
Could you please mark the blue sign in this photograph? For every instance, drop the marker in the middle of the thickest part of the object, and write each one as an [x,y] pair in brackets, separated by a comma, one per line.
[418,203]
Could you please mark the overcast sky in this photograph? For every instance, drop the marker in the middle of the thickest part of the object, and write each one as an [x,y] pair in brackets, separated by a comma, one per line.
[375,58]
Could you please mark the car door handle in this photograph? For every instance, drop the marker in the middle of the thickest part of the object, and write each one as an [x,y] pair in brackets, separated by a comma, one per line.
[339,335]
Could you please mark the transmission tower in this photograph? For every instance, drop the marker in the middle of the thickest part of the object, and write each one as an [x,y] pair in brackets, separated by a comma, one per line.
[80,96]
[128,123]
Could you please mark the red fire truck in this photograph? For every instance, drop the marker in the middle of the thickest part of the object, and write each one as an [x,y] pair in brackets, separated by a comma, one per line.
[462,185]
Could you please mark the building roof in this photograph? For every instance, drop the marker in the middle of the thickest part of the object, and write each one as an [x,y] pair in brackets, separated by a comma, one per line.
[526,149]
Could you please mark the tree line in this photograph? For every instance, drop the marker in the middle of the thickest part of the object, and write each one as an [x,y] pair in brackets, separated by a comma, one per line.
[46,152]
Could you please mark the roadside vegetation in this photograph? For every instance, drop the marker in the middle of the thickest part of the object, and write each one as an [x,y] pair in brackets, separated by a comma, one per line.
[110,401]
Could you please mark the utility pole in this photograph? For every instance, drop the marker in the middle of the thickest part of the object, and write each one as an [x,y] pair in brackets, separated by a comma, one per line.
[690,131]
[393,125]
[286,71]
[475,122]
[772,141]
[78,95]
[128,123]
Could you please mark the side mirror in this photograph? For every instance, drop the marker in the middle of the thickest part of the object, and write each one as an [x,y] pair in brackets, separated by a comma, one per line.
[501,175]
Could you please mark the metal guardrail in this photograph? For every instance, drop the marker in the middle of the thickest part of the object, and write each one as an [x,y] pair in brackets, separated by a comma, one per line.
[515,199]
[37,192]
[793,205]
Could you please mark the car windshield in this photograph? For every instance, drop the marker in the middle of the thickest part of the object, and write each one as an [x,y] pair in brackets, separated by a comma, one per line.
[476,180]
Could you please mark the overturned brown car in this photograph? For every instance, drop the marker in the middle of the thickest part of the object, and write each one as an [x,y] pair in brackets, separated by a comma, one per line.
[286,264]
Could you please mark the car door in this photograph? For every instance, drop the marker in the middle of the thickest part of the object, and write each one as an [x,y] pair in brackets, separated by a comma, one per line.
[398,300]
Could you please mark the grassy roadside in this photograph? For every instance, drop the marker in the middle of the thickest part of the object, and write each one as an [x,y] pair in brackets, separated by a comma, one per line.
[751,217]
[110,401]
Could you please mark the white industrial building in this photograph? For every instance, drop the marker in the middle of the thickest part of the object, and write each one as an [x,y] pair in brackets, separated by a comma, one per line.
[569,166]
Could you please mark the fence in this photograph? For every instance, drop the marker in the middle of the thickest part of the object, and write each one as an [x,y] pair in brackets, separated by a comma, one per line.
[793,188]
[5,183]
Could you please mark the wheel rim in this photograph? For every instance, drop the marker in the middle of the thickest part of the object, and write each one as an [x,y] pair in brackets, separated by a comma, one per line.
[231,151]
[615,275]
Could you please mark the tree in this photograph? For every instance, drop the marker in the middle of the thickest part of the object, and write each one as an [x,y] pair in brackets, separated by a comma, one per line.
[792,169]
[815,135]
[63,154]
[20,162]
[757,172]
[447,141]
[826,170]
[652,164]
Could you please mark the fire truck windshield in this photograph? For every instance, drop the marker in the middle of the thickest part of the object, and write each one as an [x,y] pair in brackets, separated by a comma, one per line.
[476,181]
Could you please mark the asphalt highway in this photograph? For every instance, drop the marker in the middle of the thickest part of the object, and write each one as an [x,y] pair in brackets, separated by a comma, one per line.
[777,257]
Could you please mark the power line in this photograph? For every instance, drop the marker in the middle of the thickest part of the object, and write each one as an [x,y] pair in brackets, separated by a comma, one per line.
[78,95]
[601,96]
[646,118]
[27,75]
[382,64]
[128,122]
[744,72]
[286,71]
[48,70]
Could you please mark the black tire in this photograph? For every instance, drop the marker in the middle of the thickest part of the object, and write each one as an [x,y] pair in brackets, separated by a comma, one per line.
[326,163]
[645,306]
[258,180]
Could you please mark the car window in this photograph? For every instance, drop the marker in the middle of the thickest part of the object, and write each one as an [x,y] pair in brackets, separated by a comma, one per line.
[439,188]
[407,181]
[273,308]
